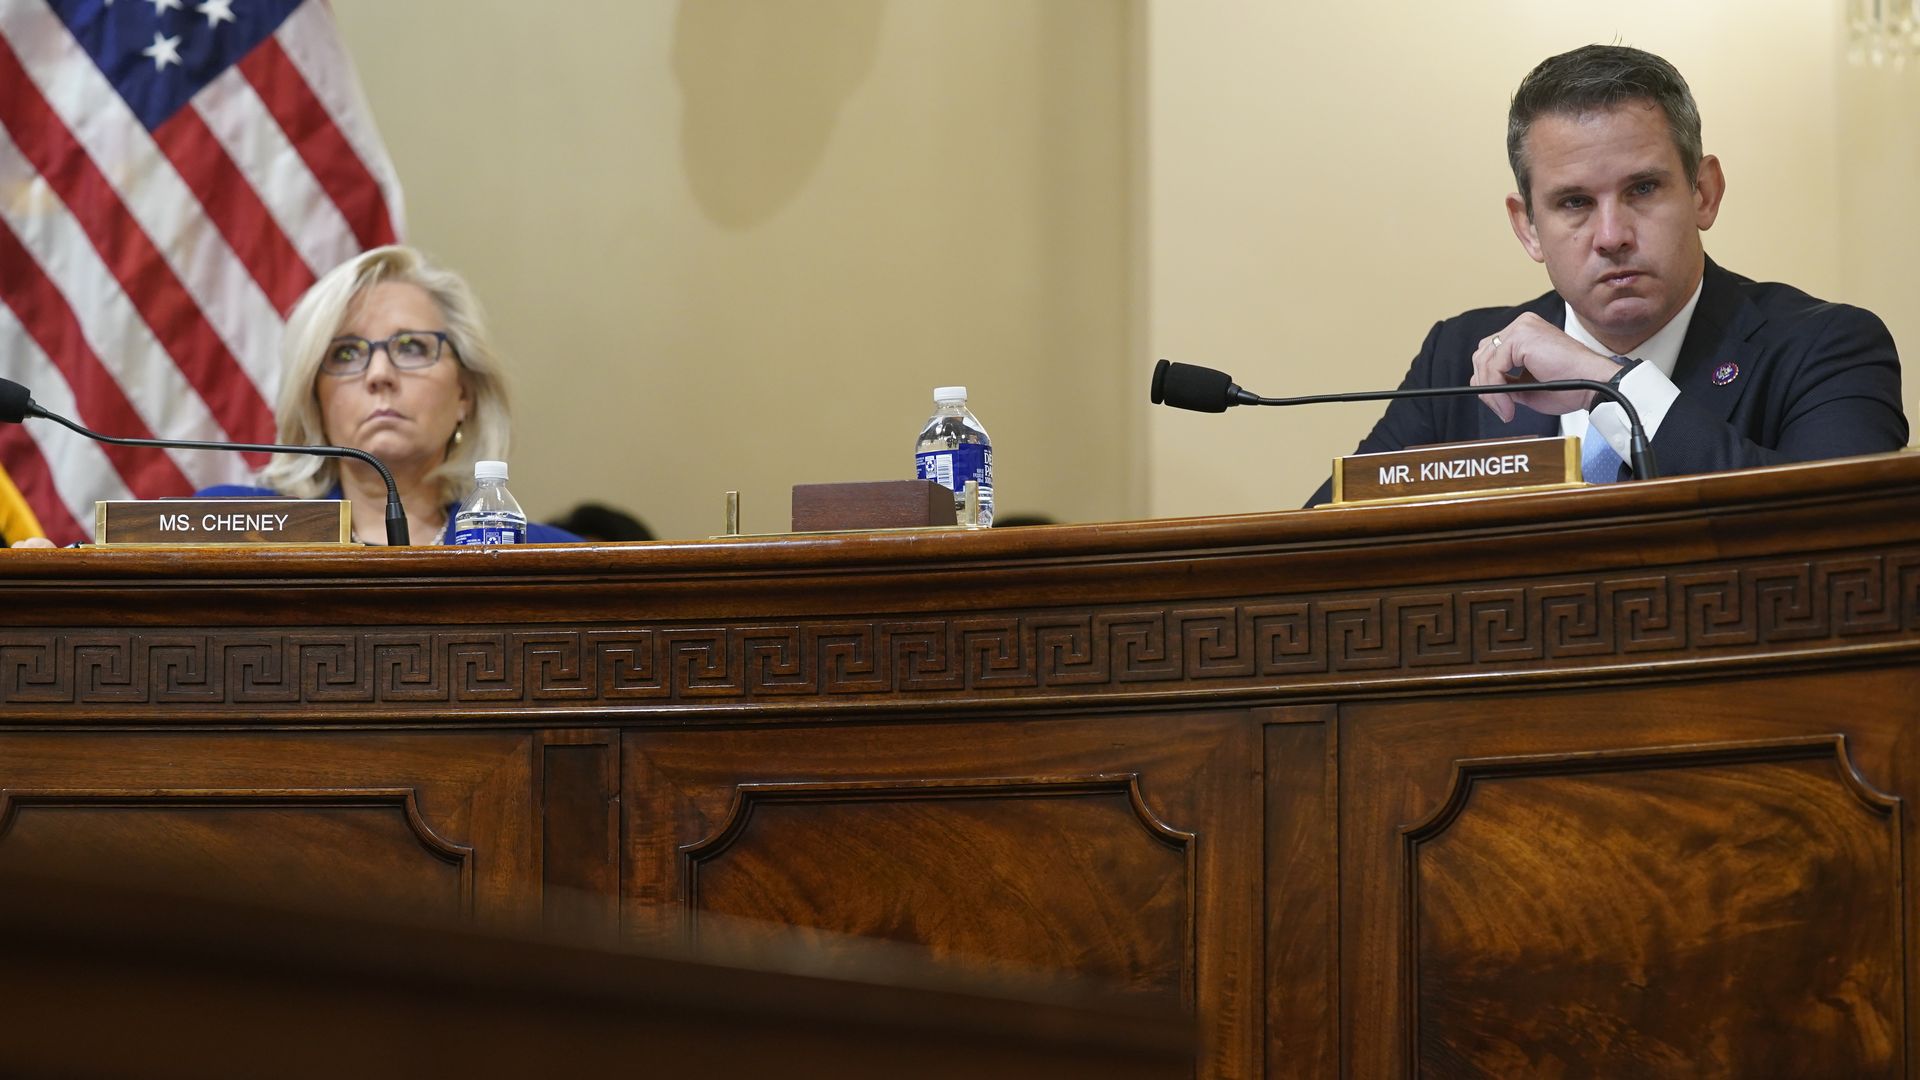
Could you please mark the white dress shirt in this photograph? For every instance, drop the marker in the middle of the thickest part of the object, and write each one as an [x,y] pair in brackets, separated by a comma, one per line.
[1649,386]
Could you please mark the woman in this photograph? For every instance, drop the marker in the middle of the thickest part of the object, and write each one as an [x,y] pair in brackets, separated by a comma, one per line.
[387,353]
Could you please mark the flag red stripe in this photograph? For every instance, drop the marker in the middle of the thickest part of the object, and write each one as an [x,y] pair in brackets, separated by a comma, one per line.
[164,303]
[311,130]
[20,456]
[235,208]
[149,474]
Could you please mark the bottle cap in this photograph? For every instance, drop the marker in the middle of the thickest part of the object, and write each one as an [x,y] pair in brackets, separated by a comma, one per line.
[944,394]
[489,470]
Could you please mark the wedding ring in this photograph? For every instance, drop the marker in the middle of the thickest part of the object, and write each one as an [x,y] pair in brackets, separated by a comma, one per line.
[1496,341]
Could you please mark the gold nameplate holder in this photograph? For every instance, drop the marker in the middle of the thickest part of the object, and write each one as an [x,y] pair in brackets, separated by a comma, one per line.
[1464,468]
[223,522]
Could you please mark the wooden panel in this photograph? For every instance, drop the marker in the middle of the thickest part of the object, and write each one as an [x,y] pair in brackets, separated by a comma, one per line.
[1665,881]
[580,831]
[428,824]
[1302,890]
[265,844]
[1573,910]
[937,862]
[1124,847]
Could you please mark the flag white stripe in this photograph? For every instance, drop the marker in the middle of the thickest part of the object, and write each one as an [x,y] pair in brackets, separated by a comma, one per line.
[127,349]
[103,124]
[82,474]
[247,131]
[312,42]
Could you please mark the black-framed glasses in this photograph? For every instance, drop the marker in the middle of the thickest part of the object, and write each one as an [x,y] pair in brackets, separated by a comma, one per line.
[408,350]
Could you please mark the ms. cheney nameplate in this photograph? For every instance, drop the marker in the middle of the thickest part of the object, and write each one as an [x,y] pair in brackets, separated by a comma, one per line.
[1426,472]
[223,521]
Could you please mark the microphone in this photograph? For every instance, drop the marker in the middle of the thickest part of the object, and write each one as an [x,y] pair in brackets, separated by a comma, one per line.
[1185,386]
[17,404]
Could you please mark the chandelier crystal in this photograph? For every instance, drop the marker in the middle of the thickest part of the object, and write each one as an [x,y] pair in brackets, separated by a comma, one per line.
[1882,32]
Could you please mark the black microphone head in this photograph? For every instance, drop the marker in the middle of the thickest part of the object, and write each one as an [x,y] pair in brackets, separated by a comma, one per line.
[15,403]
[1184,386]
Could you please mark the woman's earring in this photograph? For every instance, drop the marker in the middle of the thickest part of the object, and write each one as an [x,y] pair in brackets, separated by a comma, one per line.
[458,434]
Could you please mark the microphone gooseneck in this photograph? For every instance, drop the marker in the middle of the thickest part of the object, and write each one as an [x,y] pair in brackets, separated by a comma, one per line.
[1186,386]
[17,404]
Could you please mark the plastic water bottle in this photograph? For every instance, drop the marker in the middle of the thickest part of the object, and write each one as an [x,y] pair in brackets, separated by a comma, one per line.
[490,515]
[954,449]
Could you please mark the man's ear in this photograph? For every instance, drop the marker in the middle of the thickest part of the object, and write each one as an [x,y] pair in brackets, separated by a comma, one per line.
[1523,227]
[1708,189]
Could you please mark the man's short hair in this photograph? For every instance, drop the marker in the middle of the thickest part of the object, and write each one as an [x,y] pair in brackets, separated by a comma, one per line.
[1594,78]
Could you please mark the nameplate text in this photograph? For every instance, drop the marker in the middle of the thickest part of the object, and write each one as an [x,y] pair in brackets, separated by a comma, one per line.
[1488,465]
[223,521]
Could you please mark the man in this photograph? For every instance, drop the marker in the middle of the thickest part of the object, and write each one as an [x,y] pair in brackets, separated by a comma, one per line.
[1726,372]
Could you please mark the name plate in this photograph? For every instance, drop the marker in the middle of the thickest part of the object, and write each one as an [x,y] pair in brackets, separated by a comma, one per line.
[1487,465]
[223,521]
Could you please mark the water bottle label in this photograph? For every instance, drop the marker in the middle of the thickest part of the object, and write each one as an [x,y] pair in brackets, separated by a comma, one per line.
[953,468]
[489,534]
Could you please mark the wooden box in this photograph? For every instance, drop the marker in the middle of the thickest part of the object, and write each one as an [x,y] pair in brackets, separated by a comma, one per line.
[871,504]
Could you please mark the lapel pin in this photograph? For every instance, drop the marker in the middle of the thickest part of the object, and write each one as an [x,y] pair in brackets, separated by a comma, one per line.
[1726,373]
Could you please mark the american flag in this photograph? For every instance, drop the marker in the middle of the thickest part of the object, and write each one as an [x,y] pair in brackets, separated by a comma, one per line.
[173,175]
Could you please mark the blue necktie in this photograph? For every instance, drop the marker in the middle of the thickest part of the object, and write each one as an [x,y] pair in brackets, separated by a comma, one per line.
[1599,464]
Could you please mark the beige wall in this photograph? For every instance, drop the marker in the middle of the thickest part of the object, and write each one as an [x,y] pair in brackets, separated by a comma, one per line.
[1879,213]
[734,243]
[737,243]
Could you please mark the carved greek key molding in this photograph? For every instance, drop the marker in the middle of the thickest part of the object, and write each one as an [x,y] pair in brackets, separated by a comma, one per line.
[1764,609]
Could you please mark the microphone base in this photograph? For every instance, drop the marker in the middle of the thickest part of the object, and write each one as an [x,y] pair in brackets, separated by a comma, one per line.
[396,521]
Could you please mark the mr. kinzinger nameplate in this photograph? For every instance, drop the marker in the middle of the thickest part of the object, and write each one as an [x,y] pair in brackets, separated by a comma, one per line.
[1487,465]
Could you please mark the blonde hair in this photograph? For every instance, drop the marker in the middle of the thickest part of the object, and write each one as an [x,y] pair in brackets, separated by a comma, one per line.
[318,317]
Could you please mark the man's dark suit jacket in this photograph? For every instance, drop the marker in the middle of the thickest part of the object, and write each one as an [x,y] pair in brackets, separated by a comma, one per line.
[1815,380]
